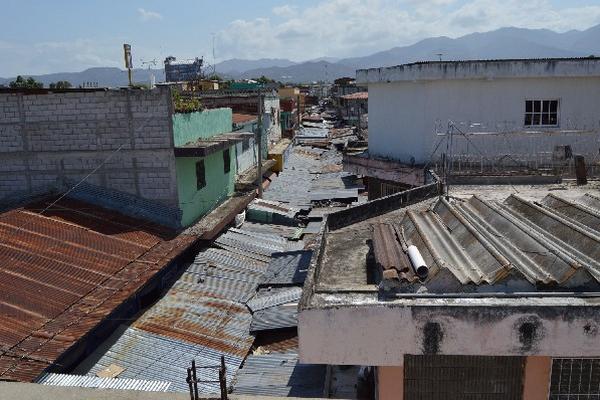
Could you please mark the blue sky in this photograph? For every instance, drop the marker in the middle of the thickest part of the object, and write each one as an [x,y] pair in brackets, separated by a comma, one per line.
[67,35]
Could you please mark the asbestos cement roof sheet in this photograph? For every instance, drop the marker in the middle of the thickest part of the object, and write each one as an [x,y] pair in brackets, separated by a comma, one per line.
[550,243]
[65,267]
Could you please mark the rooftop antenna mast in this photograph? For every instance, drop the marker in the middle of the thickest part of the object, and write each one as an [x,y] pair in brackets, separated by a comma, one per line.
[440,55]
[213,54]
[150,64]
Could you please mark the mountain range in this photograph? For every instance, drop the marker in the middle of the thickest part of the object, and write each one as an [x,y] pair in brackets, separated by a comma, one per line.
[500,43]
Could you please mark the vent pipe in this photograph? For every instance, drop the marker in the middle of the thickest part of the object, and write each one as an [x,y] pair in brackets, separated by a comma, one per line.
[421,269]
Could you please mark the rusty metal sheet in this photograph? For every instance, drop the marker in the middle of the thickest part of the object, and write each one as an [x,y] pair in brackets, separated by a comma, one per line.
[64,271]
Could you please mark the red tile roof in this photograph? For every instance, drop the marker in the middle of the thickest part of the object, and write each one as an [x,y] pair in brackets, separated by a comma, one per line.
[63,272]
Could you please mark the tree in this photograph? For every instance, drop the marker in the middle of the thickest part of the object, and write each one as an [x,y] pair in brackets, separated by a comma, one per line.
[22,83]
[61,85]
[263,79]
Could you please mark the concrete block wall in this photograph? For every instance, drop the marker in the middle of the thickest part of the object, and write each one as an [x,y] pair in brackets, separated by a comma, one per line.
[48,138]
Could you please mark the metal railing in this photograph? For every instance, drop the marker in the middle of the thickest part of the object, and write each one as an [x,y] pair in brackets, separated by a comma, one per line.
[192,379]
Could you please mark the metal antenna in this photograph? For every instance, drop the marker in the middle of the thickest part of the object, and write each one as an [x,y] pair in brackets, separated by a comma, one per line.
[440,55]
[150,64]
[213,52]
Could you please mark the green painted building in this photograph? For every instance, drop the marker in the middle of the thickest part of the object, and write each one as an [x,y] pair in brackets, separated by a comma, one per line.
[205,161]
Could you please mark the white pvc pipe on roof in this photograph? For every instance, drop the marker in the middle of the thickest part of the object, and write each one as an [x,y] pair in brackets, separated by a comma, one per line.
[421,269]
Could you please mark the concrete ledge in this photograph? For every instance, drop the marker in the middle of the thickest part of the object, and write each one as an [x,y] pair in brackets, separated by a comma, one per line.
[504,179]
[33,391]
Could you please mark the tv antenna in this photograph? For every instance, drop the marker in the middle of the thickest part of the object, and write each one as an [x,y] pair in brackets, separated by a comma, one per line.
[150,64]
[213,54]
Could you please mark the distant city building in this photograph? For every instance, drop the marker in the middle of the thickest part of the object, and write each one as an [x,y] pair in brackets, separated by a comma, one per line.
[183,71]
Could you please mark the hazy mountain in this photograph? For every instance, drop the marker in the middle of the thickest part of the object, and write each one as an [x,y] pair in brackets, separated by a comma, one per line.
[236,66]
[304,72]
[501,43]
[104,76]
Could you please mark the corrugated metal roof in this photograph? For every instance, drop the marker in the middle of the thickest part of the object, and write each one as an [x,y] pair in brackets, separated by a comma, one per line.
[86,381]
[276,317]
[64,271]
[202,317]
[288,268]
[270,297]
[305,179]
[280,374]
[551,242]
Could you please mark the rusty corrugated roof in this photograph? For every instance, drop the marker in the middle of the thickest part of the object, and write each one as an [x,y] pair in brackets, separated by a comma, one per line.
[239,118]
[547,244]
[64,271]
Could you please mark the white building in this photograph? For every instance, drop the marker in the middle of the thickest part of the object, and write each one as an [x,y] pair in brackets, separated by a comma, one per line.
[498,111]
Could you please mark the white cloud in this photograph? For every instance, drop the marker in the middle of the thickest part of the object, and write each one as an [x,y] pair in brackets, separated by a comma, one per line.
[285,10]
[146,15]
[341,28]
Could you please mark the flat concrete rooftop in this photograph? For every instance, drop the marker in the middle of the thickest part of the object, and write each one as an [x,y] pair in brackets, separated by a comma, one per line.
[340,277]
[482,69]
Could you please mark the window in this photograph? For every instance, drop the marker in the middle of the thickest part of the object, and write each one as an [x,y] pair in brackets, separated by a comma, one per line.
[226,161]
[245,144]
[575,378]
[541,112]
[200,176]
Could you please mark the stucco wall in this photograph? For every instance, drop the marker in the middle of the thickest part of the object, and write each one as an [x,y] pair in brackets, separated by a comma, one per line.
[403,116]
[190,127]
[219,185]
[50,138]
[245,159]
[272,118]
[381,335]
[390,383]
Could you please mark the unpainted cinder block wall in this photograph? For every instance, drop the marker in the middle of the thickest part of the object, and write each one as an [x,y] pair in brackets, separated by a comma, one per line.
[49,138]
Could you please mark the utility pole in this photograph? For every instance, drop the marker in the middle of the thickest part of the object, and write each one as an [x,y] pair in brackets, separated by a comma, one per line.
[128,61]
[213,51]
[259,142]
[299,115]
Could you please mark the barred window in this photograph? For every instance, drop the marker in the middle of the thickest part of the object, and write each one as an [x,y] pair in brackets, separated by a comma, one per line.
[541,113]
[575,379]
